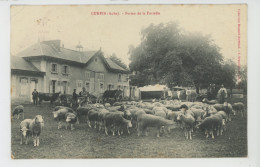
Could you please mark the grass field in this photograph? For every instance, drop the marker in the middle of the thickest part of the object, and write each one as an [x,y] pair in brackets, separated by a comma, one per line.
[84,142]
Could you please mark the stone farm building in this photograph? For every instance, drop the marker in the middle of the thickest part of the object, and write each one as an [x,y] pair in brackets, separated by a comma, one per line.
[50,68]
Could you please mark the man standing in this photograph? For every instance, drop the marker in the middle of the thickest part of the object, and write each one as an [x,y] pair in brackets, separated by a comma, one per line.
[222,93]
[35,95]
[75,98]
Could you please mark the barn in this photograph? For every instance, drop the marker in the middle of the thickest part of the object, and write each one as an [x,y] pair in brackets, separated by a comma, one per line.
[49,67]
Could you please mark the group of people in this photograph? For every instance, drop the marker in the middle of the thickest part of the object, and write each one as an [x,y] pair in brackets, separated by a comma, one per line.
[83,93]
[221,94]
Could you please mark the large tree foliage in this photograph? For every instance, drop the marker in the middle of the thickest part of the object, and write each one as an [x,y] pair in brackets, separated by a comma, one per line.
[168,55]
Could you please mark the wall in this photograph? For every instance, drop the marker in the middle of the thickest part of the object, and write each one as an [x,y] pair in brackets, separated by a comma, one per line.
[22,89]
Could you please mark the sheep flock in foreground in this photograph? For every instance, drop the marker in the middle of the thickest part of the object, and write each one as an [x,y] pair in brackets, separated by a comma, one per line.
[128,117]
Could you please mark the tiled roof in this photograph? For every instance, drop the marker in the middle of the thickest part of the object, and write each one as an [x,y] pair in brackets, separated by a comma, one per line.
[42,49]
[53,49]
[18,63]
[113,65]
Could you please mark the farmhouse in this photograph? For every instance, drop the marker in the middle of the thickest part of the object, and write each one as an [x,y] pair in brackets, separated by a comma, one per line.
[50,68]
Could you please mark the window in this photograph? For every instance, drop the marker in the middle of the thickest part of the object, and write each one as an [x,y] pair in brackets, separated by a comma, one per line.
[54,68]
[118,87]
[87,86]
[65,69]
[87,75]
[110,87]
[101,86]
[53,86]
[119,77]
[101,76]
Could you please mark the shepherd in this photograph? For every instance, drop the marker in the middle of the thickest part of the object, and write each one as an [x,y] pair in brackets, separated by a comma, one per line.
[222,93]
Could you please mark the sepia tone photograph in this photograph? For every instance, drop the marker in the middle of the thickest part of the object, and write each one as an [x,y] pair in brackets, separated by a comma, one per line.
[128,81]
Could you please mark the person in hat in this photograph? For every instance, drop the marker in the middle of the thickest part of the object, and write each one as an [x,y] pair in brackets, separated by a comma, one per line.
[184,108]
[35,96]
[222,93]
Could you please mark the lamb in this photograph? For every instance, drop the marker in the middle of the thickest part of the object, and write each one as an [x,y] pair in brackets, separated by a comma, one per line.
[238,107]
[35,127]
[25,131]
[146,120]
[188,122]
[18,110]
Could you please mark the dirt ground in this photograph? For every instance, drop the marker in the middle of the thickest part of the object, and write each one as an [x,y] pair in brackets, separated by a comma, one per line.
[84,142]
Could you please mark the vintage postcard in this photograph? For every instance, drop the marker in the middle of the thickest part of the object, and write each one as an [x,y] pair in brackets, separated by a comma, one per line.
[128,81]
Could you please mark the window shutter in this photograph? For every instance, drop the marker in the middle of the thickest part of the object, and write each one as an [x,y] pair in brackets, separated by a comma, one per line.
[50,86]
[68,69]
[50,67]
[58,69]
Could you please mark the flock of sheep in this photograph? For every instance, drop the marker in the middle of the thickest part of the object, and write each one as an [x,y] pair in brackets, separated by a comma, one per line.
[126,117]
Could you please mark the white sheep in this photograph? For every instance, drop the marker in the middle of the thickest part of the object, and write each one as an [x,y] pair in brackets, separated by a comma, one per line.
[187,122]
[35,127]
[25,131]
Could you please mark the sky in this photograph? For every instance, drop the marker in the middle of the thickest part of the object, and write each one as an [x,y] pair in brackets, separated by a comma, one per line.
[114,33]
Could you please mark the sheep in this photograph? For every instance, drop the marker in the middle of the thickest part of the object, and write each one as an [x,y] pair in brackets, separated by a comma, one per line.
[101,115]
[205,100]
[148,111]
[210,110]
[173,107]
[18,110]
[198,114]
[173,116]
[83,112]
[160,111]
[93,117]
[116,121]
[227,107]
[71,119]
[238,107]
[60,115]
[148,105]
[35,127]
[107,105]
[218,107]
[224,118]
[146,120]
[188,122]
[157,104]
[25,131]
[209,124]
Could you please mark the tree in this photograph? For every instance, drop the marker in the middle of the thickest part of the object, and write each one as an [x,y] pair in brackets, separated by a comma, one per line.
[118,61]
[242,82]
[171,56]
